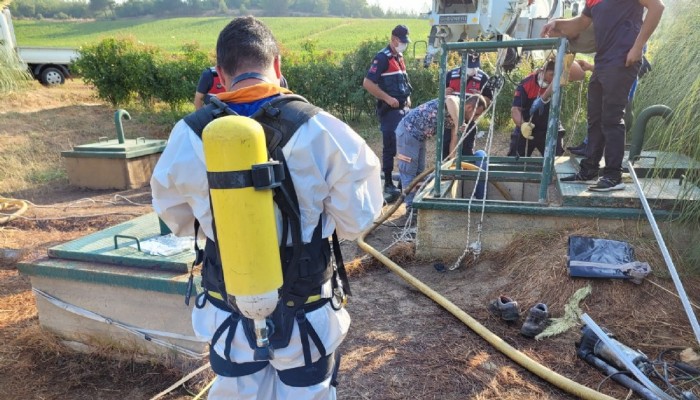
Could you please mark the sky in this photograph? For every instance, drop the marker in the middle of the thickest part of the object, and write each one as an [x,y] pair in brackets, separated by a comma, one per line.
[406,5]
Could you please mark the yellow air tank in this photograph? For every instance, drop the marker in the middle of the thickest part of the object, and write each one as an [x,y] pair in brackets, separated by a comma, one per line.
[245,224]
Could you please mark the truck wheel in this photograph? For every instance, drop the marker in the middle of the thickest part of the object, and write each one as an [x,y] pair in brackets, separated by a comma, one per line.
[52,76]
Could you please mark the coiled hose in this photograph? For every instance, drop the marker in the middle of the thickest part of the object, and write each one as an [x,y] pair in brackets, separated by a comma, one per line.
[11,209]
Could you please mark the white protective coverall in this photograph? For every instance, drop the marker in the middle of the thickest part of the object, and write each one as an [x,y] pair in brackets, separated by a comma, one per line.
[336,176]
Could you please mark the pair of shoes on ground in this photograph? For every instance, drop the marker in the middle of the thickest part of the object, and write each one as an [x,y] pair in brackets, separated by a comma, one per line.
[507,309]
[603,184]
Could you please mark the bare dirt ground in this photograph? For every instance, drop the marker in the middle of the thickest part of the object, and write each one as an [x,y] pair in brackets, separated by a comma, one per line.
[402,345]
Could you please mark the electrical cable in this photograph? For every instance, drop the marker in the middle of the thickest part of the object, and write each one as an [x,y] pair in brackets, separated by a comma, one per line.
[610,376]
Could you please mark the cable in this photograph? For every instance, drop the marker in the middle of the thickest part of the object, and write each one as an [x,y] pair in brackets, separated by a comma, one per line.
[610,376]
[146,334]
[74,216]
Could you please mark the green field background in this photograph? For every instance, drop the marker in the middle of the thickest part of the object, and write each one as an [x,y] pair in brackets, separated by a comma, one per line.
[340,35]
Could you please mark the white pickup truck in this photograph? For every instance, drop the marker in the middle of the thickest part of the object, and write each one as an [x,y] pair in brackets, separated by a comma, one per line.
[50,65]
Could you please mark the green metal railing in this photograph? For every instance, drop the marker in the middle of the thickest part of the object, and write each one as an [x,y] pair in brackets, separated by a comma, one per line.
[552,126]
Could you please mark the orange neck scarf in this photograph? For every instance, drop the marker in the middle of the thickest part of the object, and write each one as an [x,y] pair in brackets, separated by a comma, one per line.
[252,93]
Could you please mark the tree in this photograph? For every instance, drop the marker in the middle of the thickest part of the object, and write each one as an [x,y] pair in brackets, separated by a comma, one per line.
[97,6]
[275,7]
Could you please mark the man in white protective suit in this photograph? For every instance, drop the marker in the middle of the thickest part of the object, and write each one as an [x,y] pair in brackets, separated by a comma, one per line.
[336,178]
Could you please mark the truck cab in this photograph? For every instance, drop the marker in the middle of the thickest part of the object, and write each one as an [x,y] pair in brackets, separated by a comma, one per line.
[49,65]
[455,20]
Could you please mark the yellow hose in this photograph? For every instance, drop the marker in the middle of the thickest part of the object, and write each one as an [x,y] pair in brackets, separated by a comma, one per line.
[526,362]
[11,209]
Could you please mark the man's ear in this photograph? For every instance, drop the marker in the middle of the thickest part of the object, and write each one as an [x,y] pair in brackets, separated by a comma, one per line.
[224,78]
[277,63]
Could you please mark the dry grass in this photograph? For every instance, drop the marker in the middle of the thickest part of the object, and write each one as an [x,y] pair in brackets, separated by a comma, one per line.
[402,345]
[36,125]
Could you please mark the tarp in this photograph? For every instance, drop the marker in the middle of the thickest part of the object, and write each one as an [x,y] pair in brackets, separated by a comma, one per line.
[602,258]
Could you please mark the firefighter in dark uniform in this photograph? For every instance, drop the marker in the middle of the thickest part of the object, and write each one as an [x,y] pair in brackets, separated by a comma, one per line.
[387,81]
[477,83]
[209,84]
[531,106]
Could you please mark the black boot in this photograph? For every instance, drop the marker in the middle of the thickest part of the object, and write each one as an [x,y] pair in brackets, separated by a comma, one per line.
[391,192]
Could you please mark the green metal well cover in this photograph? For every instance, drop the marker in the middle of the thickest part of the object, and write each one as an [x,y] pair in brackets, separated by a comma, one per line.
[131,148]
[115,245]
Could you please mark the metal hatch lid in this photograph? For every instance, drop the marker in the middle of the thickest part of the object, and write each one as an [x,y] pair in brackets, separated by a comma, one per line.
[100,247]
[113,149]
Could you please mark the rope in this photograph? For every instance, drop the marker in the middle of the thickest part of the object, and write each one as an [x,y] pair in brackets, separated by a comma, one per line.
[145,334]
[476,246]
[206,388]
[20,206]
[181,381]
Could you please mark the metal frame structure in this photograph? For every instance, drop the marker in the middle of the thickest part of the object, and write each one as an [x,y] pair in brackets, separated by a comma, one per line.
[545,176]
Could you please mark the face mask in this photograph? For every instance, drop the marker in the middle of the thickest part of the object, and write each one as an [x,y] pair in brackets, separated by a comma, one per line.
[540,81]
[471,71]
[401,47]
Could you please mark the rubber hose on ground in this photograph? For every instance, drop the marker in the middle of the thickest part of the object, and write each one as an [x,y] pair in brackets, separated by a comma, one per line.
[11,209]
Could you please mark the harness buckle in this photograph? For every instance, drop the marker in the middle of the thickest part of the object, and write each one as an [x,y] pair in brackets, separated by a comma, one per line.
[268,175]
[339,299]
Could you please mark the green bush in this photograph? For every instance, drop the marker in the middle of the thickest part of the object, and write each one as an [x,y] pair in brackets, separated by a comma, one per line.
[116,67]
[122,70]
[182,74]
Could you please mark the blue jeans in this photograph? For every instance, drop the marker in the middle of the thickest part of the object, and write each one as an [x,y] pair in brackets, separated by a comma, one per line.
[480,192]
[411,156]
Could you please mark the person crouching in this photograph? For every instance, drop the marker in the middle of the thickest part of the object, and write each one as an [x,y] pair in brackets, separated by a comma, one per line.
[419,125]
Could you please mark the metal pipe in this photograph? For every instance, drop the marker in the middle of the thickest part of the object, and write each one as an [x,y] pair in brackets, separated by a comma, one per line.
[618,376]
[667,256]
[440,118]
[118,115]
[550,148]
[640,126]
[462,97]
[526,44]
[624,358]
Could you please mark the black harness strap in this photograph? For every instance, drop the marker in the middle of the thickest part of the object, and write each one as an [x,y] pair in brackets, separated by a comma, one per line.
[339,264]
[306,267]
[224,366]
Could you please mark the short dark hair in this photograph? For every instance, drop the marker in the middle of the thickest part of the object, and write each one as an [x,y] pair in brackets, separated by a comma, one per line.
[476,101]
[549,65]
[245,43]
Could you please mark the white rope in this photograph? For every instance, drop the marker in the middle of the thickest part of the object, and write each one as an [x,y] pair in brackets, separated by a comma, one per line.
[77,203]
[475,247]
[145,334]
[181,381]
[75,216]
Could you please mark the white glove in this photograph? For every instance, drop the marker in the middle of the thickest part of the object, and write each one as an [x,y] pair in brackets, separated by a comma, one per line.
[526,130]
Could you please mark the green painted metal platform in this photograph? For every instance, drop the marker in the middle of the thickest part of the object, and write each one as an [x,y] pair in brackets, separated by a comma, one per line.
[659,176]
[124,286]
[100,247]
[659,173]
